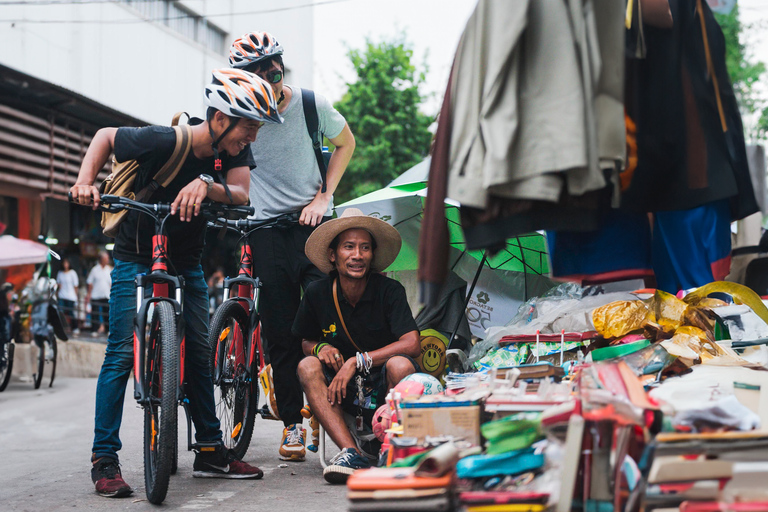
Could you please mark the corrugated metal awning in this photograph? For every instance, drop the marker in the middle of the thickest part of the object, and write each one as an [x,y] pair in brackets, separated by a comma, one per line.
[44,133]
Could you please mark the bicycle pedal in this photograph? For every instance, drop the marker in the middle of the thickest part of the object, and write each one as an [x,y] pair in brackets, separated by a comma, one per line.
[205,447]
[265,414]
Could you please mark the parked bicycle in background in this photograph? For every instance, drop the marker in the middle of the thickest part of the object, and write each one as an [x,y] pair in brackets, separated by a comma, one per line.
[37,319]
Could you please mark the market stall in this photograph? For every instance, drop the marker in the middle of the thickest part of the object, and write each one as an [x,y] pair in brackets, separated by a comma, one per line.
[654,403]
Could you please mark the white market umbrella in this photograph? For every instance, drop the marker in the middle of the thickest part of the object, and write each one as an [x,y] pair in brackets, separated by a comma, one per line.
[17,251]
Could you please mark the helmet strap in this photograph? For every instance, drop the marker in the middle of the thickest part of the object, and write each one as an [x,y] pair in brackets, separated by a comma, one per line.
[215,146]
[215,142]
[282,97]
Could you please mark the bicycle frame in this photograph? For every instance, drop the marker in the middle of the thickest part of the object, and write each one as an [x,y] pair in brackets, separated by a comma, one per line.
[246,292]
[245,288]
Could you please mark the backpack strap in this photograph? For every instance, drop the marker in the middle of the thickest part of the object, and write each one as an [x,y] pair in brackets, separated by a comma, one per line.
[313,127]
[168,172]
[177,117]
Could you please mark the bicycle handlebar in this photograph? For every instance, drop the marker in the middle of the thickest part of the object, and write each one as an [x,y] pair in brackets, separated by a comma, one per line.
[110,203]
[248,225]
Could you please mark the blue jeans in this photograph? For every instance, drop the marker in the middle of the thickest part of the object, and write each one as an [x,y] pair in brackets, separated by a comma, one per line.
[118,361]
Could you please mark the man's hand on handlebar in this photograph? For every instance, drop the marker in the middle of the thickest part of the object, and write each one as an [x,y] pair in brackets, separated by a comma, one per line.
[86,195]
[189,200]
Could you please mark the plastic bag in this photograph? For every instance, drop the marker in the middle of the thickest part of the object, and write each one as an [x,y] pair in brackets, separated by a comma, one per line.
[740,293]
[621,317]
[668,310]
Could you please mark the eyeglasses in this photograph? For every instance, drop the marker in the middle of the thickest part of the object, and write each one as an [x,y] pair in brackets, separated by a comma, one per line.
[264,69]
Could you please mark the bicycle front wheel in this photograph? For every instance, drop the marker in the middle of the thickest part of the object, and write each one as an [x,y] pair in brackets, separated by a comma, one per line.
[54,354]
[37,378]
[161,411]
[235,391]
[6,363]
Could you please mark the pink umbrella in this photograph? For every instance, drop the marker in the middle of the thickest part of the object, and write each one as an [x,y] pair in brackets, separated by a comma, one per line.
[17,251]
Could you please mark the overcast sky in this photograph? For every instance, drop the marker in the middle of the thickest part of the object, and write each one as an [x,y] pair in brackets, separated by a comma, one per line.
[432,26]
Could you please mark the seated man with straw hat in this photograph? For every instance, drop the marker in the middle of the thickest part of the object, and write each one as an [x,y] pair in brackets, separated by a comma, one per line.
[357,331]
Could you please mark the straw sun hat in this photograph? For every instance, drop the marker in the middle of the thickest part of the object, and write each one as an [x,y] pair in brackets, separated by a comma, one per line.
[387,238]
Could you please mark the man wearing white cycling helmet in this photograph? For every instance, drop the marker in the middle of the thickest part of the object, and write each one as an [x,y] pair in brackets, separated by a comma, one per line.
[216,168]
[288,180]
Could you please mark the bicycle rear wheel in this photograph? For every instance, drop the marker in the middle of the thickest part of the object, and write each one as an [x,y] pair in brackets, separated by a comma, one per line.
[235,390]
[37,378]
[6,363]
[161,412]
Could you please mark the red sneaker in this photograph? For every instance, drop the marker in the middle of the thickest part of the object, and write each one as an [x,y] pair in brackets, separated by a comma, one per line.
[108,479]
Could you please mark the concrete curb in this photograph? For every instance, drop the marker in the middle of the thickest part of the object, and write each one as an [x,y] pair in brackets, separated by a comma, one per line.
[80,359]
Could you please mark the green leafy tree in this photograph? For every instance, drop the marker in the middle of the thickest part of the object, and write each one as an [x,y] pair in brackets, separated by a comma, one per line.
[744,72]
[382,109]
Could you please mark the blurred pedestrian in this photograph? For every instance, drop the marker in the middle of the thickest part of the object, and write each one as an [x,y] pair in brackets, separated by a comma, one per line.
[68,284]
[99,283]
[216,289]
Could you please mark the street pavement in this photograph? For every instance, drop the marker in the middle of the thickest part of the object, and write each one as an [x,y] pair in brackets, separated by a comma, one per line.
[45,443]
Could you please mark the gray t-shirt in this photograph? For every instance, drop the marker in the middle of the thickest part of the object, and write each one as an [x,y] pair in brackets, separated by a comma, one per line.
[286,177]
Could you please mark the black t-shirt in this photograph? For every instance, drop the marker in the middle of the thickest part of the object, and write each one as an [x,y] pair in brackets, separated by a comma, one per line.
[381,316]
[152,146]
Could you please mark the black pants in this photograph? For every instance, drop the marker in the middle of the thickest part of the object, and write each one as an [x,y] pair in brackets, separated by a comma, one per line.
[283,268]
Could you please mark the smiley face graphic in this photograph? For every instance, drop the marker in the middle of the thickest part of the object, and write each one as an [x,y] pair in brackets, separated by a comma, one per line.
[432,354]
[430,360]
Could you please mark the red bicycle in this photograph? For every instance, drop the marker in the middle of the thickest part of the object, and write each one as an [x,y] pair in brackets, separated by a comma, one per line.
[159,347]
[236,363]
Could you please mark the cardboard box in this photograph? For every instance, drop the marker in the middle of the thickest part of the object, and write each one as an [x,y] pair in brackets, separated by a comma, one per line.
[457,421]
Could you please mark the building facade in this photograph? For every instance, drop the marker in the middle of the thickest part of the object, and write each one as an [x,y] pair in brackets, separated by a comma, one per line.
[70,68]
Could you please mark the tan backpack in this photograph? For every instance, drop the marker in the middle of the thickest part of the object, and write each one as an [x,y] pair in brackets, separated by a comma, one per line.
[120,181]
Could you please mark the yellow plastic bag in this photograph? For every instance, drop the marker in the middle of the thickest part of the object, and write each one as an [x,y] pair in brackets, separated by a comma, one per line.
[619,318]
[668,310]
[740,293]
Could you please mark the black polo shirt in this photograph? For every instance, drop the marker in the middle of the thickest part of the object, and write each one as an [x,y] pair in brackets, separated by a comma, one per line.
[381,316]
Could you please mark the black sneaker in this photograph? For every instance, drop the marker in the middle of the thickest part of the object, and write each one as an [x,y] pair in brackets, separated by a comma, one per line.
[346,462]
[108,479]
[220,463]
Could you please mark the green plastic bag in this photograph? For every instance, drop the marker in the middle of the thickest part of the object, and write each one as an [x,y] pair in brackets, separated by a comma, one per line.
[514,432]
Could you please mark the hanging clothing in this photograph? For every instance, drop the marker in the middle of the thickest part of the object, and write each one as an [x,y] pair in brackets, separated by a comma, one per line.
[621,245]
[528,85]
[692,247]
[536,92]
[690,138]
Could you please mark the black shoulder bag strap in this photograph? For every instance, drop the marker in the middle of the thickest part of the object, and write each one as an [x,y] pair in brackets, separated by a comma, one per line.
[313,127]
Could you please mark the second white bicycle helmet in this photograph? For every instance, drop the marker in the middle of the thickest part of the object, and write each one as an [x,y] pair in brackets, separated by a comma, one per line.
[253,47]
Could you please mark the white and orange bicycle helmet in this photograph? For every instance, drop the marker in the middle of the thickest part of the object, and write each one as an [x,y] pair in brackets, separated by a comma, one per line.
[241,94]
[253,47]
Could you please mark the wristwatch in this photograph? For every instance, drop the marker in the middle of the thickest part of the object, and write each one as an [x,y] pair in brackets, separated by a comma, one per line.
[208,179]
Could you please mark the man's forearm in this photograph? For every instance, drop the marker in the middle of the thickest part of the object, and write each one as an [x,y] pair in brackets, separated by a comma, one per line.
[408,344]
[336,168]
[218,194]
[96,156]
[307,346]
[344,149]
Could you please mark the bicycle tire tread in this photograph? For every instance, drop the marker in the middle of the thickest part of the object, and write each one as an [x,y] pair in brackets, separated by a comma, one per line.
[232,309]
[157,484]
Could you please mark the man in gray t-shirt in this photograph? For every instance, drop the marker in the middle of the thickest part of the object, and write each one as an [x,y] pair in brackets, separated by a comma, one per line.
[286,180]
